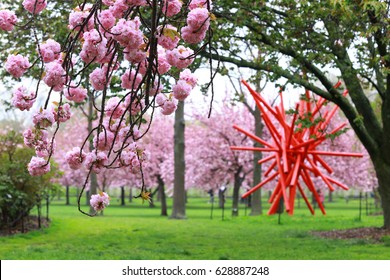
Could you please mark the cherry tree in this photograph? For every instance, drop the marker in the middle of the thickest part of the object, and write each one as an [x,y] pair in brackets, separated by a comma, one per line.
[159,143]
[129,57]
[212,163]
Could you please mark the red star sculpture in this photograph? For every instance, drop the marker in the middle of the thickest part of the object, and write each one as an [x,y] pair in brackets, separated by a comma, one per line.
[293,148]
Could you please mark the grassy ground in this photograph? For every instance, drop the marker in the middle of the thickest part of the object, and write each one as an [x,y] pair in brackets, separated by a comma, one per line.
[137,232]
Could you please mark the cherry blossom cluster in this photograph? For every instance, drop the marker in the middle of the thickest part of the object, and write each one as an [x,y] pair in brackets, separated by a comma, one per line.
[99,201]
[111,44]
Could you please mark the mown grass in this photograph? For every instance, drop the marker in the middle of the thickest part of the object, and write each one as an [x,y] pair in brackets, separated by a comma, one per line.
[137,232]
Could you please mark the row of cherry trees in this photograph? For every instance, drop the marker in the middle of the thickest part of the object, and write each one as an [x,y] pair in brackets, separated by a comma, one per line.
[209,161]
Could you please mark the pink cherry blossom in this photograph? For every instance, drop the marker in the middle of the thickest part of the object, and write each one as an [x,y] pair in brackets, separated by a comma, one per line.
[115,108]
[180,57]
[189,77]
[104,141]
[22,99]
[62,113]
[8,20]
[133,157]
[193,36]
[171,7]
[168,104]
[35,137]
[134,105]
[136,2]
[114,125]
[127,157]
[96,161]
[50,51]
[38,166]
[98,78]
[94,47]
[163,65]
[77,18]
[198,18]
[76,94]
[125,136]
[134,55]
[142,67]
[75,158]
[34,6]
[199,4]
[106,20]
[108,2]
[55,75]
[99,201]
[168,37]
[181,90]
[17,65]
[44,118]
[131,80]
[127,33]
[119,8]
[45,148]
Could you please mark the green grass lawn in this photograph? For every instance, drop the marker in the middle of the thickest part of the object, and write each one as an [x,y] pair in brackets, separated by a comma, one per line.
[137,232]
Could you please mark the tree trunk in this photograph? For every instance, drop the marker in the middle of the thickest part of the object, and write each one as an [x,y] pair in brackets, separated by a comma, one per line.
[163,198]
[383,175]
[39,208]
[330,196]
[47,207]
[256,207]
[87,197]
[123,196]
[178,210]
[131,195]
[236,191]
[67,195]
[152,194]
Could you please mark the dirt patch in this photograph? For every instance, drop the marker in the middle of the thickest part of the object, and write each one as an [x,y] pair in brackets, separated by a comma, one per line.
[369,233]
[29,224]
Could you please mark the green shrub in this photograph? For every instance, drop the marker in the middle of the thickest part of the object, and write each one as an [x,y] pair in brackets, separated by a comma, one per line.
[19,191]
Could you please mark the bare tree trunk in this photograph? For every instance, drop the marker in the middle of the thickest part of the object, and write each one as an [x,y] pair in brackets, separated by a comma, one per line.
[67,195]
[123,196]
[330,196]
[39,208]
[256,207]
[383,175]
[236,191]
[131,194]
[163,198]
[178,210]
[47,207]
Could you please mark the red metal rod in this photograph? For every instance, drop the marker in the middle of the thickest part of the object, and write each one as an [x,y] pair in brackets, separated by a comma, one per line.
[305,198]
[272,166]
[337,183]
[339,154]
[323,163]
[251,135]
[241,148]
[283,183]
[263,160]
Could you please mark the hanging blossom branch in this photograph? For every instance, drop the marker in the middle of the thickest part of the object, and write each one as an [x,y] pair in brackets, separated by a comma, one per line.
[142,42]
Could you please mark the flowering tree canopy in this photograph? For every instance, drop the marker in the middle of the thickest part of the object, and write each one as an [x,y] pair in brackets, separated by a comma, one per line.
[129,56]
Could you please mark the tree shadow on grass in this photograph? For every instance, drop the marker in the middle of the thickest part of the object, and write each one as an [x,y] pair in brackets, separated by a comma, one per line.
[373,234]
[30,223]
